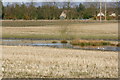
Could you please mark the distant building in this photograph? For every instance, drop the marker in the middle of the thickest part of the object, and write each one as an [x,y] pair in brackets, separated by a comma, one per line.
[100,14]
[63,15]
[112,15]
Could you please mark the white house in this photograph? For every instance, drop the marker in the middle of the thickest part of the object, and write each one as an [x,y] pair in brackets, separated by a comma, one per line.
[113,15]
[100,14]
[63,15]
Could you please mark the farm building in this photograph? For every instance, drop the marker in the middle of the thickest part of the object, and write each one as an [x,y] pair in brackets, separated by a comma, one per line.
[63,15]
[100,14]
[112,15]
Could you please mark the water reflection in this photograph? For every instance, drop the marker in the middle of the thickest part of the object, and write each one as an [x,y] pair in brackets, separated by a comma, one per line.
[60,45]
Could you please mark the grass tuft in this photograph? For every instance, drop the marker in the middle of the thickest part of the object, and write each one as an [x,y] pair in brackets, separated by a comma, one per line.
[54,42]
[118,45]
[64,41]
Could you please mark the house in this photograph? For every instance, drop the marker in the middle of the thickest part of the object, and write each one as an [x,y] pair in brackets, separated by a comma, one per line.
[112,15]
[100,14]
[63,15]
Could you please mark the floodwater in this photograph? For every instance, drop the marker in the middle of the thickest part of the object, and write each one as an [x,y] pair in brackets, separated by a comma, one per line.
[60,45]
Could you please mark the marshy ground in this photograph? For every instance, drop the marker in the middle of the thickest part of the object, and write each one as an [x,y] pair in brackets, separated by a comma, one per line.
[47,62]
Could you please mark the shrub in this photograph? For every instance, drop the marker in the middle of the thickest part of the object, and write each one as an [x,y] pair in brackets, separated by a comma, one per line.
[82,44]
[105,43]
[64,41]
[54,41]
[118,45]
[113,44]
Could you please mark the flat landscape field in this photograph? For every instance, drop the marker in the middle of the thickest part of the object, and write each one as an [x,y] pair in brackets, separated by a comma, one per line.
[45,62]
[56,30]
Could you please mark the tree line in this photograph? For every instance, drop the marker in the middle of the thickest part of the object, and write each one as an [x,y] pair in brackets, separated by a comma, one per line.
[52,10]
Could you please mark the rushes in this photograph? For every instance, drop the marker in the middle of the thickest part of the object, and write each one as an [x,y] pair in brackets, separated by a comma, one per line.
[64,41]
[90,43]
[54,42]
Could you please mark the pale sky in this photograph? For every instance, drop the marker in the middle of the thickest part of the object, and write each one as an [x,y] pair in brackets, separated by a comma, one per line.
[60,0]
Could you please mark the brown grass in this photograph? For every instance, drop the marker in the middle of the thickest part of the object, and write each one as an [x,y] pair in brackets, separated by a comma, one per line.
[90,42]
[78,30]
[36,62]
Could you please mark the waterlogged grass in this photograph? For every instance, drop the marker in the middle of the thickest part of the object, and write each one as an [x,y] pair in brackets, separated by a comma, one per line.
[47,37]
[90,43]
[99,37]
[36,23]
[26,23]
[30,37]
[55,37]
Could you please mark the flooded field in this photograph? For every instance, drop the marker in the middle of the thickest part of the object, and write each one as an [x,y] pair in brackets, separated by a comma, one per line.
[35,50]
[49,43]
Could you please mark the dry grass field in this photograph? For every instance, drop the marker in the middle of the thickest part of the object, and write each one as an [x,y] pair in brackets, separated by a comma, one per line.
[82,30]
[45,62]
